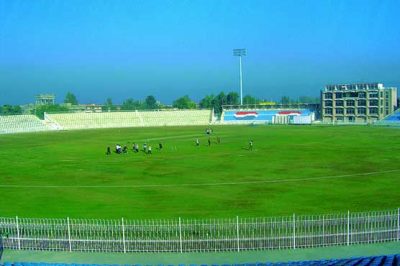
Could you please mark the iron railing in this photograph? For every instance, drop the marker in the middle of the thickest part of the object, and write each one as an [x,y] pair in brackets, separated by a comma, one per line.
[200,235]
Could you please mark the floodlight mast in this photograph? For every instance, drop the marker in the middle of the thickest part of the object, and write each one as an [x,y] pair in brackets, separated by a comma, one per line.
[240,52]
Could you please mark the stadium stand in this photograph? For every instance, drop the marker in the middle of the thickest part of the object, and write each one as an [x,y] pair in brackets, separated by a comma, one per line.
[94,120]
[271,116]
[69,121]
[21,123]
[389,260]
[393,118]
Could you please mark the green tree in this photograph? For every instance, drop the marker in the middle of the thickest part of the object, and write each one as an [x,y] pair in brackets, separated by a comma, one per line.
[232,98]
[150,102]
[131,104]
[10,110]
[218,102]
[184,103]
[307,99]
[109,102]
[285,100]
[207,101]
[70,98]
[108,105]
[248,99]
[53,108]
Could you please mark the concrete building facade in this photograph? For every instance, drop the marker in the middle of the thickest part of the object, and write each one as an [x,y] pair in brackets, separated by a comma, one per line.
[361,103]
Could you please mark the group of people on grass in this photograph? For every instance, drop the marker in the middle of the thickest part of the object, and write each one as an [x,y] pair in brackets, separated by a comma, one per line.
[135,148]
[147,149]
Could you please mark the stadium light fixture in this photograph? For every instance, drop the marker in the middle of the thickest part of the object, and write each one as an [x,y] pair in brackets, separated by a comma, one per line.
[240,52]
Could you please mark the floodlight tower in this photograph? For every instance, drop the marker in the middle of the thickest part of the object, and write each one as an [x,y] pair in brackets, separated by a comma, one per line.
[240,52]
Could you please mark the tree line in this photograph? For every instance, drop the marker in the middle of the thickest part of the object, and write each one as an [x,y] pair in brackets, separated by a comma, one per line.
[211,101]
[10,110]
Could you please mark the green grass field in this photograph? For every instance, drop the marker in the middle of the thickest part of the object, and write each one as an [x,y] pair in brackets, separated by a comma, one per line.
[291,169]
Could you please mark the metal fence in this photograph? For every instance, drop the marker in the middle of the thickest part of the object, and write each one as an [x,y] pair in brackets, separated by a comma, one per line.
[1,246]
[200,235]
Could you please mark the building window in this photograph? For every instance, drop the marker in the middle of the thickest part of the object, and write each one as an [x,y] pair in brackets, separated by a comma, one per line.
[381,94]
[361,111]
[339,103]
[350,103]
[328,103]
[373,95]
[338,111]
[328,111]
[338,95]
[362,102]
[350,111]
[328,95]
[373,102]
[350,94]
[361,95]
[339,118]
[373,110]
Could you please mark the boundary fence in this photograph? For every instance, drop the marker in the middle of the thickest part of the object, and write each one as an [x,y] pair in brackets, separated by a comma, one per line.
[1,246]
[200,235]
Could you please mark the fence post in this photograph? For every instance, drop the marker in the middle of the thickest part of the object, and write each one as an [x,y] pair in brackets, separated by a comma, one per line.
[237,233]
[294,231]
[398,224]
[18,238]
[180,234]
[348,227]
[69,235]
[323,230]
[123,233]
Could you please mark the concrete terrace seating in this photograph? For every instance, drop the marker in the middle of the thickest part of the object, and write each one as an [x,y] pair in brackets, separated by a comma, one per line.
[131,119]
[390,260]
[95,120]
[176,118]
[21,123]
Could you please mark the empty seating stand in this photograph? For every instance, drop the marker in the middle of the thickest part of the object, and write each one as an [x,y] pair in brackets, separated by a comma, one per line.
[21,123]
[393,118]
[69,121]
[389,260]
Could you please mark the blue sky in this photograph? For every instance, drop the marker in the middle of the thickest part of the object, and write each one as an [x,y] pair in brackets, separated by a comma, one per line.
[122,49]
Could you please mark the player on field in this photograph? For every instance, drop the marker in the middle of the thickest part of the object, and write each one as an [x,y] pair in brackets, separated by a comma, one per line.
[145,148]
[149,150]
[209,142]
[118,149]
[251,145]
[197,142]
[108,150]
[160,146]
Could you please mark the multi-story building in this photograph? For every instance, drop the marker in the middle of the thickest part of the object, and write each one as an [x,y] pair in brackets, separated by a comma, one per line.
[366,102]
[45,99]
